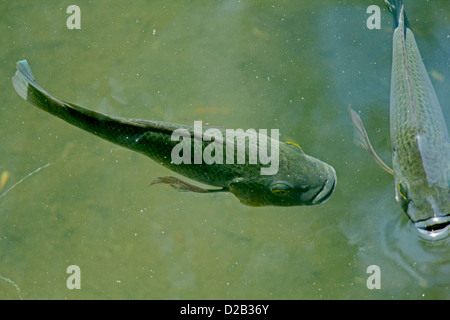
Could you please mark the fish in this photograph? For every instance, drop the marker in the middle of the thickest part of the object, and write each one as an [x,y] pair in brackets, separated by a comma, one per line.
[300,180]
[420,141]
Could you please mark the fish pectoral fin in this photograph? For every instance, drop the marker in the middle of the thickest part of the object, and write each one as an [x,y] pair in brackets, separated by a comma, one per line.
[235,183]
[244,191]
[362,139]
[183,186]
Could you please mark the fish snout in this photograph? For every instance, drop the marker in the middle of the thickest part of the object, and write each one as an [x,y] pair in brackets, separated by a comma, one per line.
[434,228]
[327,189]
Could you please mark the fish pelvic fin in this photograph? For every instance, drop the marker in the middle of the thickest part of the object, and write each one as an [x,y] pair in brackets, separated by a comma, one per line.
[362,139]
[183,186]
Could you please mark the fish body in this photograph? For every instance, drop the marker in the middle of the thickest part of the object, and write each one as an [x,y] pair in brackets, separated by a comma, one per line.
[300,179]
[419,137]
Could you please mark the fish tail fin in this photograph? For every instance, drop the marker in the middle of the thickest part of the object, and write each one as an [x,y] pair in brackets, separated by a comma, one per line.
[22,78]
[114,129]
[26,86]
[362,139]
[398,12]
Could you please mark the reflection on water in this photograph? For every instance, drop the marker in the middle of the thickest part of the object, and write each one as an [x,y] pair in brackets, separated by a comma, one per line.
[417,256]
[237,64]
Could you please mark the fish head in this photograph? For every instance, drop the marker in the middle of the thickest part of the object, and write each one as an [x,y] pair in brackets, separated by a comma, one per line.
[312,182]
[300,180]
[428,207]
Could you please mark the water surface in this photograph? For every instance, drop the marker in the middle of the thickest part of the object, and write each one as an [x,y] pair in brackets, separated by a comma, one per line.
[288,65]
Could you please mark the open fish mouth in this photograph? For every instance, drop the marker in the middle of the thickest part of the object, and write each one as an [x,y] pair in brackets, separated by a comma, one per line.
[434,228]
[327,190]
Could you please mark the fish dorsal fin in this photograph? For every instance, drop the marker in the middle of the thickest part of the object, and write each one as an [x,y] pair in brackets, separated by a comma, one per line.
[295,145]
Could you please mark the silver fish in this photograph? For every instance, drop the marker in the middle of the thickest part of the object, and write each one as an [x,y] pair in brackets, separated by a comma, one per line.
[419,136]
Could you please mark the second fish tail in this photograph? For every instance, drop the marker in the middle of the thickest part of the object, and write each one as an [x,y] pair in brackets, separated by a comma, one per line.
[397,10]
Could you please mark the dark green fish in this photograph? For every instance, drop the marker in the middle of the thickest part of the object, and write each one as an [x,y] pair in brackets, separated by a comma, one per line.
[419,136]
[300,179]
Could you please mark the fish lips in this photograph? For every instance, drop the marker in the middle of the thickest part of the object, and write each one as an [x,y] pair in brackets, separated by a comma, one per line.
[434,228]
[327,190]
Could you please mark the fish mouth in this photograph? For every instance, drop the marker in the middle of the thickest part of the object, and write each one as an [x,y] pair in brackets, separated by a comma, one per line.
[327,190]
[434,228]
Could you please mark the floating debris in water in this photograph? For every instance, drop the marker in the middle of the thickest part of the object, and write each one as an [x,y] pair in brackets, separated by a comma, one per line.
[4,179]
[12,282]
[437,76]
[21,180]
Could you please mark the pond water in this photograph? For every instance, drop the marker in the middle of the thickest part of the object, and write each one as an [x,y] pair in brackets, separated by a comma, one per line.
[70,198]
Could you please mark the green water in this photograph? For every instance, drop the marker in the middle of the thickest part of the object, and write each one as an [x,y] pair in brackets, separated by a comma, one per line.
[289,65]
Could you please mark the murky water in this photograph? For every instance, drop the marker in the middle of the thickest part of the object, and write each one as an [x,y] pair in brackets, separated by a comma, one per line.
[74,199]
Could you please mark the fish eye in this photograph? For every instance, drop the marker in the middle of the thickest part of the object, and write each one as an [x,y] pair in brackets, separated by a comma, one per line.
[403,191]
[280,188]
